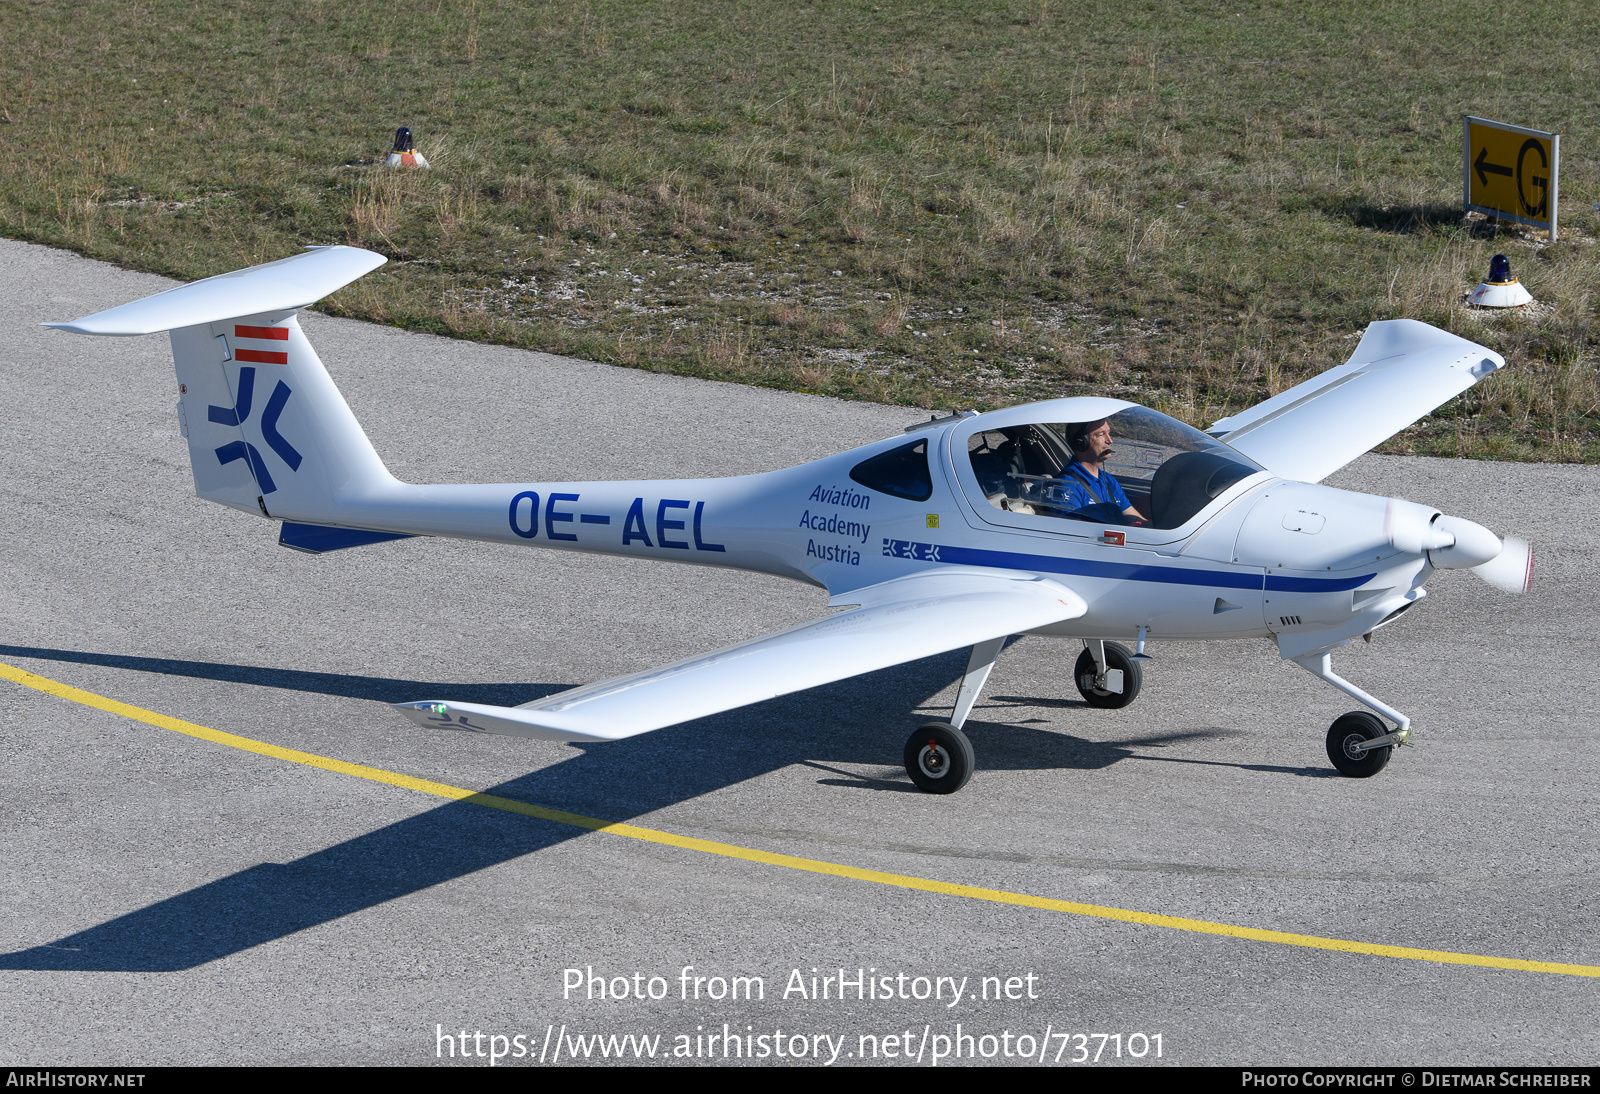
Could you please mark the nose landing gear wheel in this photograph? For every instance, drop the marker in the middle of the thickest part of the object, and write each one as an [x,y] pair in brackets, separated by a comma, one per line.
[939,758]
[1117,657]
[1351,729]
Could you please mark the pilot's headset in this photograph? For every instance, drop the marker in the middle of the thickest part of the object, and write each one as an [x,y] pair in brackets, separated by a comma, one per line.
[1078,434]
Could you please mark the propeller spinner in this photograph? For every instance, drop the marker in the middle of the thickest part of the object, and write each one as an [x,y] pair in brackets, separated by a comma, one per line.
[1452,543]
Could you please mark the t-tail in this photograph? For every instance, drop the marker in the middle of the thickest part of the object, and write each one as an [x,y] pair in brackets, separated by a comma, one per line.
[268,431]
[270,434]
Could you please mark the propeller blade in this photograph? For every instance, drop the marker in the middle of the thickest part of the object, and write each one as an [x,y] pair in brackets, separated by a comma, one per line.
[1510,570]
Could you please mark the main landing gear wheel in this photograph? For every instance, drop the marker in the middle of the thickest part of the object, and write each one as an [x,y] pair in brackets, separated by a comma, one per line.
[939,758]
[1351,729]
[1085,672]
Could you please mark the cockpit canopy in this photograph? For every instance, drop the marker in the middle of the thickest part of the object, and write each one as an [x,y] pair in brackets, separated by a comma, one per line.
[1167,471]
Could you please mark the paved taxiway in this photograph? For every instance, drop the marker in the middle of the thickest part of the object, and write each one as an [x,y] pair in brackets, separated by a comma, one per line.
[171,900]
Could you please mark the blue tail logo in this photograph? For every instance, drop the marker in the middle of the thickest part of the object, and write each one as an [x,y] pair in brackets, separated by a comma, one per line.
[239,413]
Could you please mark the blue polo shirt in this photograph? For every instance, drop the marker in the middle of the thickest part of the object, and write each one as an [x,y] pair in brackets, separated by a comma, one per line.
[1093,498]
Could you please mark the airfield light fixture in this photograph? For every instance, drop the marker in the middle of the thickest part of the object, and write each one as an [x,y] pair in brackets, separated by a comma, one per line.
[404,153]
[1499,289]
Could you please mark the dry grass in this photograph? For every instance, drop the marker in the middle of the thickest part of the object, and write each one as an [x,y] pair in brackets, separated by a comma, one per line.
[953,204]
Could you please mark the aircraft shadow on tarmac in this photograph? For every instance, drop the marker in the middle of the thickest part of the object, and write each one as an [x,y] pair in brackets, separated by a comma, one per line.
[856,721]
[381,688]
[1013,746]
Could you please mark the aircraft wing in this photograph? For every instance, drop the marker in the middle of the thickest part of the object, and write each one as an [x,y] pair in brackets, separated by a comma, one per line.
[1400,371]
[894,622]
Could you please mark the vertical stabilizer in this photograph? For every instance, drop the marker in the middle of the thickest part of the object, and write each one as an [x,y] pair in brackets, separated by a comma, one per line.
[268,431]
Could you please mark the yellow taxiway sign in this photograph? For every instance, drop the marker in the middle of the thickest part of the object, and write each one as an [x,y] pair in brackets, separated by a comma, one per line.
[1510,172]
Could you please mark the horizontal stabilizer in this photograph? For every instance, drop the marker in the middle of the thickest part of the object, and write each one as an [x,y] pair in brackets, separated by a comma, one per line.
[897,621]
[1400,371]
[280,286]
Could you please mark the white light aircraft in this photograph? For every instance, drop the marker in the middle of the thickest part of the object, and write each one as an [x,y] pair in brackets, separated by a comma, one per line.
[962,532]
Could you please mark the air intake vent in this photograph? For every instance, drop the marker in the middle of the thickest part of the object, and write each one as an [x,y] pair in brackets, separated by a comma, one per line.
[1289,620]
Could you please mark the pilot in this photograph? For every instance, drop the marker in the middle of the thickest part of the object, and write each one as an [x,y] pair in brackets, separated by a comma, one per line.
[1089,491]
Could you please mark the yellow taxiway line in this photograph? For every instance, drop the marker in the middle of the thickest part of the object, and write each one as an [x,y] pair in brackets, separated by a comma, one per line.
[792,862]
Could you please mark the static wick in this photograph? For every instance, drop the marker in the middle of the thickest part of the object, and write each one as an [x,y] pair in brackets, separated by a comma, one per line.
[405,152]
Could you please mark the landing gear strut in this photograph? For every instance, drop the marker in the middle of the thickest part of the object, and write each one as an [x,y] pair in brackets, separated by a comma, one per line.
[939,756]
[1359,744]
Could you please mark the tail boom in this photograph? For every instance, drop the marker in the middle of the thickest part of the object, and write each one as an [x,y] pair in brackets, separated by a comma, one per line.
[270,434]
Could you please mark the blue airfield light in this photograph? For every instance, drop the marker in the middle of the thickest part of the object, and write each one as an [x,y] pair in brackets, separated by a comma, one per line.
[1499,289]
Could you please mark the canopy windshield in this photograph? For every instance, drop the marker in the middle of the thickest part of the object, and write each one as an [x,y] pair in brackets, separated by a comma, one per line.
[1166,471]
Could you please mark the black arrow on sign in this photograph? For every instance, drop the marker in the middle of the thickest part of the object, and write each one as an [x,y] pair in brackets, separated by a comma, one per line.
[1482,164]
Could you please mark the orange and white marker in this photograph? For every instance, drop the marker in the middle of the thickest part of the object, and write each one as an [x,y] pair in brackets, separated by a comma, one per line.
[405,153]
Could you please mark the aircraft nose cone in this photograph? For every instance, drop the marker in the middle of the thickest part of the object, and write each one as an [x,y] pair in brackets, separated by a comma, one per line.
[1474,545]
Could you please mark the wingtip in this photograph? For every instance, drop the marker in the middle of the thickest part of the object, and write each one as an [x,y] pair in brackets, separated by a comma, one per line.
[80,326]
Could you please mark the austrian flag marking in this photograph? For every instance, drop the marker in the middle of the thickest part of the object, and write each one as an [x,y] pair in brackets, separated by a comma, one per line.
[262,356]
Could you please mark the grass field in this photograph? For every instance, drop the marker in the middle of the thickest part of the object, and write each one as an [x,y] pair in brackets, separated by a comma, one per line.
[945,204]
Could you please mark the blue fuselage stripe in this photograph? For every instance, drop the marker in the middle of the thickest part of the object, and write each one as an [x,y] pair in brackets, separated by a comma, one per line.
[1316,584]
[1124,571]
